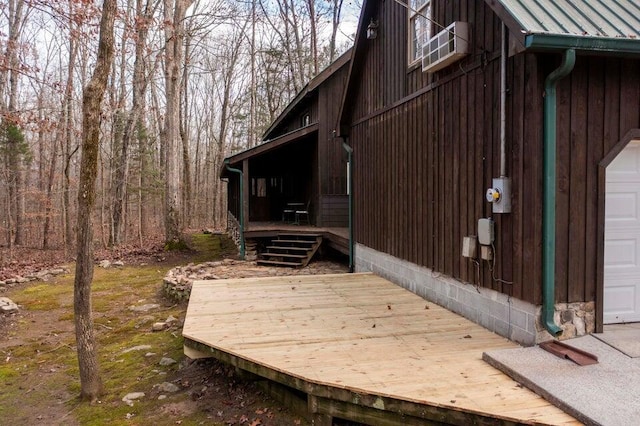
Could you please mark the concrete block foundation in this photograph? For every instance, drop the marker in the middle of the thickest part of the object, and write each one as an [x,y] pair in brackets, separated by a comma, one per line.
[512,318]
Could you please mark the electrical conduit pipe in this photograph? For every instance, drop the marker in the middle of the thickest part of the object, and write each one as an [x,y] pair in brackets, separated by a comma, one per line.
[350,194]
[549,192]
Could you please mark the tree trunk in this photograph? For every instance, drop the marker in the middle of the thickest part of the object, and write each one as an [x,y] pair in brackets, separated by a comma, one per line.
[187,210]
[174,13]
[68,154]
[336,12]
[313,39]
[90,381]
[253,137]
[122,162]
[46,231]
[10,122]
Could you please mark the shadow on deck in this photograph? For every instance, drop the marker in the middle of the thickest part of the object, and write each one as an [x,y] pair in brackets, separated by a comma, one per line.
[358,347]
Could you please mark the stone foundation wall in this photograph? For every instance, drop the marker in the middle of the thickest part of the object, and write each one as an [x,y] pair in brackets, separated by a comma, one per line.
[233,229]
[575,319]
[512,318]
[250,246]
[250,249]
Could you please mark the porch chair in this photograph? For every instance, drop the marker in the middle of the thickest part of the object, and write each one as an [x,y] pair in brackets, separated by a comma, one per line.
[288,211]
[304,213]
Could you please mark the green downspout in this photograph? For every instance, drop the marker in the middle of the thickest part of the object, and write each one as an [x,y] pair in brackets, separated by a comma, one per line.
[350,193]
[549,203]
[241,220]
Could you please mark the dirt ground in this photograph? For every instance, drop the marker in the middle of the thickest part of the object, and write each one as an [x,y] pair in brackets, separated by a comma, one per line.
[38,370]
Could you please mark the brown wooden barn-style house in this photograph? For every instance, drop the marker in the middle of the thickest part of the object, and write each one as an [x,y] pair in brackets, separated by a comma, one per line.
[496,158]
[495,168]
[483,154]
[287,196]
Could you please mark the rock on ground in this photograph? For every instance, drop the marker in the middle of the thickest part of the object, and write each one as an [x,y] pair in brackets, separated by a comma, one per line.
[7,306]
[130,397]
[144,308]
[159,326]
[167,387]
[177,282]
[137,348]
[167,361]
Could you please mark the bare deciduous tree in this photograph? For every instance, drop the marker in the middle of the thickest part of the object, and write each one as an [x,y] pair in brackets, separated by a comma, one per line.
[174,14]
[90,381]
[178,102]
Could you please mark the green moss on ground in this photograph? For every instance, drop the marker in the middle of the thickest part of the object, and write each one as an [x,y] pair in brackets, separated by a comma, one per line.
[42,370]
[212,247]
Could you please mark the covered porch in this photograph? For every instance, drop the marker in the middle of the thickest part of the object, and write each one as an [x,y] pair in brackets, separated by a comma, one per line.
[289,172]
[279,189]
[359,348]
[269,180]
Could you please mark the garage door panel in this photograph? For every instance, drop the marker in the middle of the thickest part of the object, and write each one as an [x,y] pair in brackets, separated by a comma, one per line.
[626,166]
[620,301]
[622,237]
[622,207]
[622,254]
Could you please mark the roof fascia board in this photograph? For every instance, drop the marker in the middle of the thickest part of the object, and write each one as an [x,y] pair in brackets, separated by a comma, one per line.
[593,44]
[308,88]
[515,27]
[331,69]
[301,94]
[369,7]
[272,144]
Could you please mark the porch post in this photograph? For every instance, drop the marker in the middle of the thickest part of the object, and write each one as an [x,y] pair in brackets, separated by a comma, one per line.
[246,193]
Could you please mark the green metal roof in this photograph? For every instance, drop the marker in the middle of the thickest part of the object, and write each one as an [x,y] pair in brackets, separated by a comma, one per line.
[598,25]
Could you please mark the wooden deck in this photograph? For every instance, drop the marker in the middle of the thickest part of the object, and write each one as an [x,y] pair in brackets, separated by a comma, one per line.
[361,348]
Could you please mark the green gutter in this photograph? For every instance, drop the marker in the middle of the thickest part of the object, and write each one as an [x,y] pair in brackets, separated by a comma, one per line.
[241,220]
[549,203]
[350,191]
[595,44]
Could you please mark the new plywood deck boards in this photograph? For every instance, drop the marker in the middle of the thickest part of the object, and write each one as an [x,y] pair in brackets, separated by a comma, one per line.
[361,333]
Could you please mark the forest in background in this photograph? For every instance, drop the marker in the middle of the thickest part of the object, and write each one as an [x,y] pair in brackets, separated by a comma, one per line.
[191,82]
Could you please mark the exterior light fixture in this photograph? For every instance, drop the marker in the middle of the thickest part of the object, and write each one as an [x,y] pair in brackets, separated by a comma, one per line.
[372,29]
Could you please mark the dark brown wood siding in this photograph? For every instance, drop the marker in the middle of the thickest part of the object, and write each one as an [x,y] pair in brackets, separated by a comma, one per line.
[327,165]
[295,119]
[598,104]
[335,211]
[426,148]
[332,157]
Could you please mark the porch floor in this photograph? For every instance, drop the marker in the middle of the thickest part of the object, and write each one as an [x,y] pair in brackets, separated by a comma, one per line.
[337,238]
[355,342]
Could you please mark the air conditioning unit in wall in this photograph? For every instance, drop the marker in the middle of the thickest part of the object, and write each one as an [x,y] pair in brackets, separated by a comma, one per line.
[446,47]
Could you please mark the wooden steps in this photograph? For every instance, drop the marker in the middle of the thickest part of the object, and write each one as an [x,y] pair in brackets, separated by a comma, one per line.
[293,250]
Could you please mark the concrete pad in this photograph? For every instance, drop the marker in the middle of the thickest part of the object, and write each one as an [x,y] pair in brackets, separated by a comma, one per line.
[607,393]
[623,337]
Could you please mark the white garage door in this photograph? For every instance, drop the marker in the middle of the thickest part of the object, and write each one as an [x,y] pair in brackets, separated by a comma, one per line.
[622,238]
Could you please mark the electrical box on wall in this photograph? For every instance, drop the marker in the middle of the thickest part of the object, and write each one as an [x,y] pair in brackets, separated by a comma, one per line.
[469,246]
[499,195]
[485,231]
[486,253]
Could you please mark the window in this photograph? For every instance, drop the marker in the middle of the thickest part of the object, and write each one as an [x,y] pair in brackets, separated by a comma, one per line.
[305,120]
[419,27]
[259,187]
